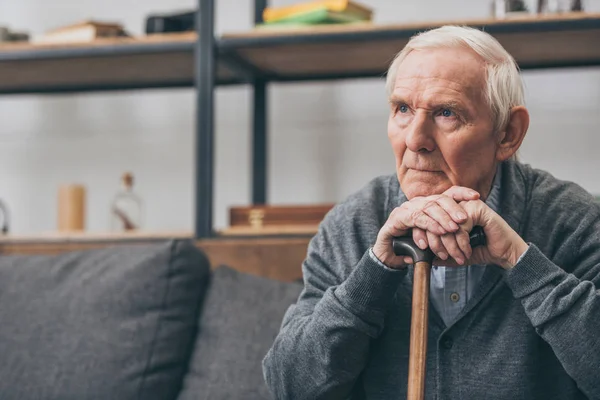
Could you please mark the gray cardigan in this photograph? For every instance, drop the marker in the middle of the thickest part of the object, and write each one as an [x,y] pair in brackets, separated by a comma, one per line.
[531,333]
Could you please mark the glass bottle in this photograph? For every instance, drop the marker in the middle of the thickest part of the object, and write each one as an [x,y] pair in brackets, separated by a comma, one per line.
[126,207]
[576,5]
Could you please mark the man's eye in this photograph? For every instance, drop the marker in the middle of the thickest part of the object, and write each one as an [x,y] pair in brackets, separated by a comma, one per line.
[403,108]
[447,113]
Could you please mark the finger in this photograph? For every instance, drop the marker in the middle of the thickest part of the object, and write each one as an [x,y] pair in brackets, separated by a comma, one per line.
[414,217]
[427,223]
[407,216]
[462,238]
[420,238]
[435,244]
[461,193]
[454,210]
[433,209]
[451,245]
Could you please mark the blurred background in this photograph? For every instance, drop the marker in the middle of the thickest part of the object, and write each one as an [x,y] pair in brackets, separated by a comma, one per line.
[326,139]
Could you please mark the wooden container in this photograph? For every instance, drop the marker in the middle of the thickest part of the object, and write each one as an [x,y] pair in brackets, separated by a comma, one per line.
[71,208]
[269,216]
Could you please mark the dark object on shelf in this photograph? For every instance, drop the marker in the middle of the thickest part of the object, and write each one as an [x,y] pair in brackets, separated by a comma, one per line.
[545,6]
[576,5]
[516,5]
[7,35]
[557,6]
[181,22]
[5,217]
[505,8]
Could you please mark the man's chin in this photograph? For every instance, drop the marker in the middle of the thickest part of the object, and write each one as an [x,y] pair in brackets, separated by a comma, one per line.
[421,189]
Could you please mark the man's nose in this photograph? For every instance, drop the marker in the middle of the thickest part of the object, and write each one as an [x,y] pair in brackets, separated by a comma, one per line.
[419,137]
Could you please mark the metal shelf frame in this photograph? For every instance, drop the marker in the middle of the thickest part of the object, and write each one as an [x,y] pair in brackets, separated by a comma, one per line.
[225,61]
[207,51]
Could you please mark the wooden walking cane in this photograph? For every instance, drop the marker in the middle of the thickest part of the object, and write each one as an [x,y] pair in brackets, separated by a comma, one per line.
[405,246]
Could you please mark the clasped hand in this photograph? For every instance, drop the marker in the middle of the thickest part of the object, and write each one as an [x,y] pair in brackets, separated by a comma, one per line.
[442,223]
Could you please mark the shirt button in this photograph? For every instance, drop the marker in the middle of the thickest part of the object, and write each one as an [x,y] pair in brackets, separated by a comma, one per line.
[447,342]
[455,297]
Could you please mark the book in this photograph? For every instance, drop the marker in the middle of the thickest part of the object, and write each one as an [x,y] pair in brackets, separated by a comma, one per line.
[316,16]
[85,31]
[347,7]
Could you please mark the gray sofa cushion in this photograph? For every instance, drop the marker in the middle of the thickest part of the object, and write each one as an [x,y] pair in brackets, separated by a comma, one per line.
[113,323]
[241,316]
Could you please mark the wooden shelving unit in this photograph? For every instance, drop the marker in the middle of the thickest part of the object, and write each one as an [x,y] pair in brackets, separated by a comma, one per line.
[203,62]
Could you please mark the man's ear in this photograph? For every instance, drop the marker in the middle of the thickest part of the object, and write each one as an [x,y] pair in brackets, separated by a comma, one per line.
[513,135]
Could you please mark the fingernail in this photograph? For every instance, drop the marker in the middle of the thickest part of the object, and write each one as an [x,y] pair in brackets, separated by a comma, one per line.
[473,193]
[459,260]
[453,225]
[422,244]
[442,255]
[461,215]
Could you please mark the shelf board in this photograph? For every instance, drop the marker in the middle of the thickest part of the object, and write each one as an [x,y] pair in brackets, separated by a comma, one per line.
[366,50]
[278,54]
[84,236]
[238,232]
[153,61]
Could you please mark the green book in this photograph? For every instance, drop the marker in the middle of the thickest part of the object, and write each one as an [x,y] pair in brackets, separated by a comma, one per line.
[316,17]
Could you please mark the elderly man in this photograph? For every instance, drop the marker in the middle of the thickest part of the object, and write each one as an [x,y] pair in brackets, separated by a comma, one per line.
[516,319]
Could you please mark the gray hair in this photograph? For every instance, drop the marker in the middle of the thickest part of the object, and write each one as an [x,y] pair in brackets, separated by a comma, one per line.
[504,85]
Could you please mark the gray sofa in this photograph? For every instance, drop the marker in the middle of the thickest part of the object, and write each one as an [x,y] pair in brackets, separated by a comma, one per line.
[151,322]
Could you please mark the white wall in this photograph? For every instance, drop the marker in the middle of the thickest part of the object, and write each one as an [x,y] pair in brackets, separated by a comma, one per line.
[327,138]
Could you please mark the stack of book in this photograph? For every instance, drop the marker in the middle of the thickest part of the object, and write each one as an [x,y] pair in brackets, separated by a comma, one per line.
[317,12]
[82,32]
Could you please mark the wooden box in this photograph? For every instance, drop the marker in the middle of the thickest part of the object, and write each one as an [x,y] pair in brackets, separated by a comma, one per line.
[263,217]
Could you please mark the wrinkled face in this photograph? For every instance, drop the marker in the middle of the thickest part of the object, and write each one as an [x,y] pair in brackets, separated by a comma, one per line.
[440,125]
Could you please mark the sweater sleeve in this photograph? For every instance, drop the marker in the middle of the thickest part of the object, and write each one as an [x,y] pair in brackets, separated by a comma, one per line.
[324,340]
[564,308]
